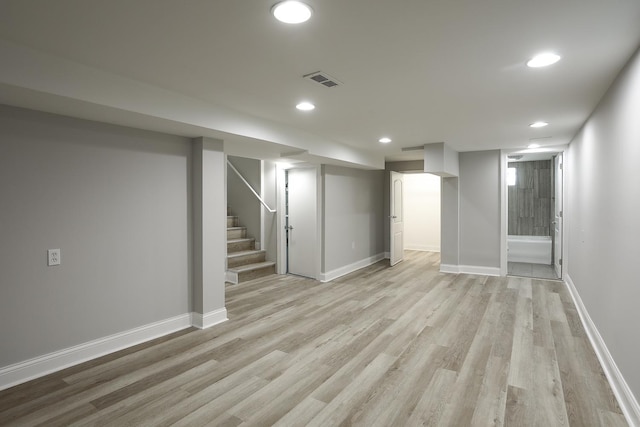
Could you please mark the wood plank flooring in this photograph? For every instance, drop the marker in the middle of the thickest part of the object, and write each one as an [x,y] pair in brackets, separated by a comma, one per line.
[400,346]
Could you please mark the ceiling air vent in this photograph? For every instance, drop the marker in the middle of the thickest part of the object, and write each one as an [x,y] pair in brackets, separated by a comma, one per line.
[517,157]
[322,78]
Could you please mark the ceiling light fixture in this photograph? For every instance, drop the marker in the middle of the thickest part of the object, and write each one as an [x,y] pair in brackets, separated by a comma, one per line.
[534,146]
[543,60]
[305,106]
[538,124]
[385,140]
[291,12]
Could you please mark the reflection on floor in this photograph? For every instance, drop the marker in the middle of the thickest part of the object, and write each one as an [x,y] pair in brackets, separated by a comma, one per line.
[539,271]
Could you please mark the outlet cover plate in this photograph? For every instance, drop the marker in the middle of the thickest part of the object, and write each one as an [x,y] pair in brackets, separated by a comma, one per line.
[53,257]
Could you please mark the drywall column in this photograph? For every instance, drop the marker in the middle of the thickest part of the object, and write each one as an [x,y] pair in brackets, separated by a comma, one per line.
[449,219]
[441,160]
[209,232]
[269,221]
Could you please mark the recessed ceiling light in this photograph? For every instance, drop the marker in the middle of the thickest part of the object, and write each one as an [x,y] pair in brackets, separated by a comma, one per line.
[385,140]
[543,60]
[534,146]
[538,124]
[305,106]
[291,12]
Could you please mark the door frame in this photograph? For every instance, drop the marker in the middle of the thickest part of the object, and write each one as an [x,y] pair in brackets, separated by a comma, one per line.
[504,164]
[281,220]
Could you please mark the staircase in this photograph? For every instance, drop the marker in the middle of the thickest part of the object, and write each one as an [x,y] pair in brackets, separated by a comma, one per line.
[244,262]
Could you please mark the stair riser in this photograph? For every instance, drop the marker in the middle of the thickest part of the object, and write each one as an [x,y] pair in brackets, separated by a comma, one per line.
[245,259]
[236,234]
[232,221]
[254,274]
[240,246]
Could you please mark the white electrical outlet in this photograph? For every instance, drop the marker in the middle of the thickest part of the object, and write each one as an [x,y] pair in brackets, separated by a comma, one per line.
[53,257]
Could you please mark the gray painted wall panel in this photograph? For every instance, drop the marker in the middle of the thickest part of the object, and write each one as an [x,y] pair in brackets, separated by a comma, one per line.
[601,211]
[116,202]
[269,220]
[449,217]
[480,208]
[353,214]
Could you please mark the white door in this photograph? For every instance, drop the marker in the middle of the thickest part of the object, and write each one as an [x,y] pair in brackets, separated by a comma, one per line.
[301,222]
[396,218]
[557,221]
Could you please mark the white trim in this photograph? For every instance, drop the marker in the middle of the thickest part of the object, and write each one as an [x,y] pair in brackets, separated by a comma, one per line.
[387,255]
[470,269]
[423,248]
[231,277]
[42,365]
[449,268]
[623,393]
[207,320]
[338,272]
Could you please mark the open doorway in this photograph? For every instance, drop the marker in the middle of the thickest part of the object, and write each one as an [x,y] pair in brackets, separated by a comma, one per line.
[420,208]
[534,215]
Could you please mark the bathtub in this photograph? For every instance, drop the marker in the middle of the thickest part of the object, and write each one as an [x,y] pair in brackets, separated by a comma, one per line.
[531,249]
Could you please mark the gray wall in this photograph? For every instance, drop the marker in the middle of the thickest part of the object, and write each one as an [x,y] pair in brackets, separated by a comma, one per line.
[449,222]
[240,200]
[602,206]
[353,215]
[269,220]
[531,199]
[479,187]
[115,201]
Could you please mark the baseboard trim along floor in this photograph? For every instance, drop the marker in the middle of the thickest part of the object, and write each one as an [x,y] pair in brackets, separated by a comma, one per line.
[470,269]
[37,367]
[339,272]
[626,399]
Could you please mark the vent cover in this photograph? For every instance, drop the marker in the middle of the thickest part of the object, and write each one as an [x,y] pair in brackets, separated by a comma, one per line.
[517,157]
[322,78]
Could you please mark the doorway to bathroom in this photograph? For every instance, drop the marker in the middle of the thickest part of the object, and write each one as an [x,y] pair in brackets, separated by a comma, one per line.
[534,215]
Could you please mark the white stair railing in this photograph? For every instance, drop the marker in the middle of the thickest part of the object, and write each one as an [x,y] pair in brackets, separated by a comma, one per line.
[250,188]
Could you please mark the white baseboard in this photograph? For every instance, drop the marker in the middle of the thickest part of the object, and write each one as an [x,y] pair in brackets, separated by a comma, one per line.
[470,269]
[207,320]
[27,370]
[623,393]
[449,268]
[338,272]
[33,368]
[422,248]
[387,255]
[231,277]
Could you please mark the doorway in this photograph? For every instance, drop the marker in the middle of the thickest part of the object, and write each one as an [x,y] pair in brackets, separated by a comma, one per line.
[417,210]
[534,215]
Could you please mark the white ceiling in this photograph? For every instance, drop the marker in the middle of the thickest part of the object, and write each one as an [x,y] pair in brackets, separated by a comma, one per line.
[417,71]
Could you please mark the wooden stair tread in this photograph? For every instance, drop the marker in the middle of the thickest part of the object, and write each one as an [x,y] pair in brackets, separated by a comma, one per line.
[240,239]
[241,253]
[236,228]
[249,267]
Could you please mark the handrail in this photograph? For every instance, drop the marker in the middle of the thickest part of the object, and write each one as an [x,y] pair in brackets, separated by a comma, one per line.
[250,188]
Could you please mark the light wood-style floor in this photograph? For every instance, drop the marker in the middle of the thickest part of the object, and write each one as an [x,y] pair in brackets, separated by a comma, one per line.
[399,346]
